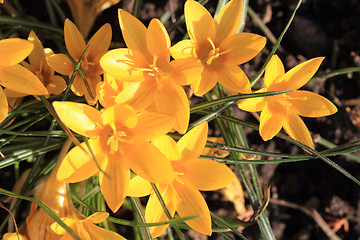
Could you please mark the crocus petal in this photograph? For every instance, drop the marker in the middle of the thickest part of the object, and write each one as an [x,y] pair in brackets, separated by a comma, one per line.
[79,165]
[14,50]
[271,121]
[241,48]
[114,183]
[171,99]
[79,117]
[100,42]
[274,71]
[253,104]
[120,114]
[193,204]
[168,147]
[297,129]
[78,87]
[186,71]
[148,162]
[207,82]
[3,105]
[98,233]
[207,175]
[152,125]
[157,40]
[56,85]
[138,95]
[199,22]
[233,78]
[61,64]
[228,20]
[74,41]
[309,104]
[298,76]
[134,32]
[38,54]
[97,217]
[182,49]
[13,236]
[193,142]
[139,187]
[19,79]
[120,64]
[155,213]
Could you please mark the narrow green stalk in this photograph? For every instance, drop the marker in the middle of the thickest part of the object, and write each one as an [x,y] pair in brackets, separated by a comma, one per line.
[257,77]
[221,221]
[51,12]
[141,216]
[27,23]
[243,16]
[163,205]
[137,8]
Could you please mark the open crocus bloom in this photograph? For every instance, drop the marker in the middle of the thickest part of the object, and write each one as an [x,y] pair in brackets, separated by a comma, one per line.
[147,61]
[216,45]
[14,76]
[192,174]
[119,140]
[76,46]
[283,110]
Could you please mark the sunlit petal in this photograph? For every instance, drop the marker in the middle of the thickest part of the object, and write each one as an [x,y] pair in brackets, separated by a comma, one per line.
[186,71]
[20,79]
[115,182]
[97,217]
[207,175]
[148,162]
[168,147]
[98,233]
[155,213]
[100,42]
[56,85]
[152,125]
[208,81]
[79,165]
[75,43]
[309,104]
[199,22]
[78,87]
[182,49]
[233,78]
[193,204]
[157,40]
[139,187]
[14,50]
[38,54]
[79,117]
[274,71]
[299,75]
[171,99]
[134,32]
[228,20]
[120,114]
[61,64]
[193,142]
[241,47]
[119,63]
[271,121]
[297,129]
[253,104]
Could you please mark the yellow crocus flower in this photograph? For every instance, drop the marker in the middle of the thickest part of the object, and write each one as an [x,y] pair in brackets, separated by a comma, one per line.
[75,44]
[283,111]
[216,45]
[119,139]
[192,174]
[14,76]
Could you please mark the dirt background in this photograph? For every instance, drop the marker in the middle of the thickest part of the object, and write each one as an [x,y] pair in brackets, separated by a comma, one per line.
[328,28]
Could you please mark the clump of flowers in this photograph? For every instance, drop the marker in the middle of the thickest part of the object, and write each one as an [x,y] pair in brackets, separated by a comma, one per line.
[130,119]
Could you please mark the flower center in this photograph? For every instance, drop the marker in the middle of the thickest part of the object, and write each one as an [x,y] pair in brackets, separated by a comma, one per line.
[285,100]
[115,136]
[44,73]
[208,53]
